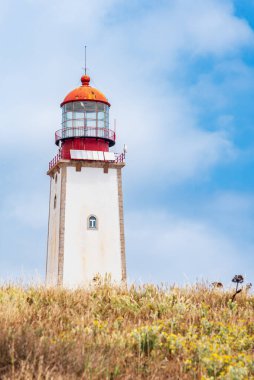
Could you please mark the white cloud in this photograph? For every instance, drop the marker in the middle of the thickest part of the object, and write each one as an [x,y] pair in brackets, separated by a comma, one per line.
[166,140]
[26,210]
[197,27]
[80,14]
[166,247]
[232,202]
[27,127]
[232,212]
[4,9]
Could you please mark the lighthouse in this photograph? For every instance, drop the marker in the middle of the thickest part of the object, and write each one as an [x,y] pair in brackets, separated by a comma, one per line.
[86,224]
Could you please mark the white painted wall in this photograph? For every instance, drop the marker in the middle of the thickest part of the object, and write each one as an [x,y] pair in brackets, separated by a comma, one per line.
[88,252]
[53,232]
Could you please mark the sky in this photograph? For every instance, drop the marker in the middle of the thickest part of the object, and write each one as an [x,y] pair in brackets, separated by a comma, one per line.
[179,75]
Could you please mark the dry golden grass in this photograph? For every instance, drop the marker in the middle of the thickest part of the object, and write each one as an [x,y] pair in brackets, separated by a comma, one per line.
[118,333]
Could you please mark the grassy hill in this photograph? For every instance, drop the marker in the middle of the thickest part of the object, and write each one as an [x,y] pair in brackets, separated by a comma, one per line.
[118,333]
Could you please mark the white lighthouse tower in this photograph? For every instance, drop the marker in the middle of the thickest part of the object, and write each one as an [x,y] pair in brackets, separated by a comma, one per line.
[86,228]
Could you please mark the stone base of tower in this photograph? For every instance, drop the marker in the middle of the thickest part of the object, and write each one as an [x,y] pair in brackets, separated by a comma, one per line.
[81,193]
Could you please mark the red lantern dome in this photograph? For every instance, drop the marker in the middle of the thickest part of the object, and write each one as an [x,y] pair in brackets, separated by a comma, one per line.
[85,92]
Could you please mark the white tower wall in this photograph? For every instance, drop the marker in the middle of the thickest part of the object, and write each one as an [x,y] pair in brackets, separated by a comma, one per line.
[76,254]
[53,229]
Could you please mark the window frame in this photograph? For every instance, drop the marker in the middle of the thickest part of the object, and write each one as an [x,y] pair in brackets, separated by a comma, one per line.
[96,223]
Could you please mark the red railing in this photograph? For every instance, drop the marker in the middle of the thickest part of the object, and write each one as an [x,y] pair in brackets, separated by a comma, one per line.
[119,157]
[73,132]
[55,160]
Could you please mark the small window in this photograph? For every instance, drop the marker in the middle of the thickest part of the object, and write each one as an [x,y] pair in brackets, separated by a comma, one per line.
[92,222]
[55,202]
[56,178]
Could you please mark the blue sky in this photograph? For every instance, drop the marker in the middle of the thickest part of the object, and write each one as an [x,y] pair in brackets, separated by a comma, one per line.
[180,77]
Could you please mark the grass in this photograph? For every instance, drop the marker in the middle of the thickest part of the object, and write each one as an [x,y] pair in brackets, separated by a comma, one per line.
[111,333]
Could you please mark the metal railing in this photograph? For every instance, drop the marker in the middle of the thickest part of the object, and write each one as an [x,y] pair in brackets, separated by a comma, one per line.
[55,160]
[119,157]
[103,133]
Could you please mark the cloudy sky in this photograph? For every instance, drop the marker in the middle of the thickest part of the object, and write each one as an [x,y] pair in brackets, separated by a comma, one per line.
[180,77]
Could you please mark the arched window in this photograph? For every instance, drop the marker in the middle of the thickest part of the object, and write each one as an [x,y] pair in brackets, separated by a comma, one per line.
[55,202]
[92,222]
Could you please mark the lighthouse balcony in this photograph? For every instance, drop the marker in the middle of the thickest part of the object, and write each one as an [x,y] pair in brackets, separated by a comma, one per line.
[85,132]
[118,158]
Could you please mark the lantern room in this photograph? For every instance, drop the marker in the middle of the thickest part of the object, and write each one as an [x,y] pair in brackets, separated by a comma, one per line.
[85,121]
[85,228]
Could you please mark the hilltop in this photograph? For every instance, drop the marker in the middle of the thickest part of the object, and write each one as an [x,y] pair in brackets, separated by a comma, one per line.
[112,332]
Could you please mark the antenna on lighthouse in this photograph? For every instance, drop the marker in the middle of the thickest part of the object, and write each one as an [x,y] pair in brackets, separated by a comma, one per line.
[85,59]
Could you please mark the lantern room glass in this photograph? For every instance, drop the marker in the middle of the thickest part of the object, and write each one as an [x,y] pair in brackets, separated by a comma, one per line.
[85,114]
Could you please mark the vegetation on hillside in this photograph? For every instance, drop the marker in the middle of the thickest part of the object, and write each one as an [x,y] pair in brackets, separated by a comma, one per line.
[113,332]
